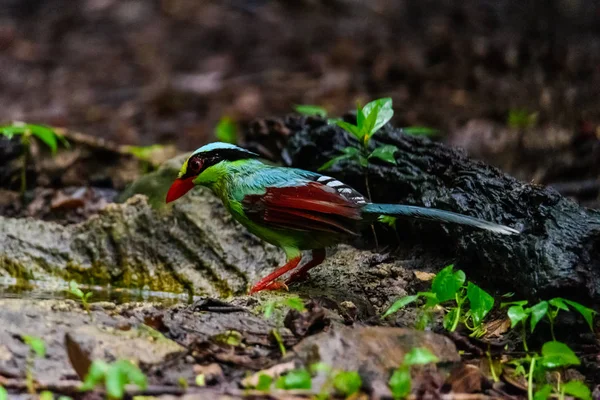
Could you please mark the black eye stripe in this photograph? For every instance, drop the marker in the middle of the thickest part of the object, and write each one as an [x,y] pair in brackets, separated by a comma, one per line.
[210,158]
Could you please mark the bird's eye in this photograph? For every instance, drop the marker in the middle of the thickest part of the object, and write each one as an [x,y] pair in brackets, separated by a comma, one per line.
[195,165]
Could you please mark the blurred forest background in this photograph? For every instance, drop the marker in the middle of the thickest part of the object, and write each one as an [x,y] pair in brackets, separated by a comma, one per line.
[516,83]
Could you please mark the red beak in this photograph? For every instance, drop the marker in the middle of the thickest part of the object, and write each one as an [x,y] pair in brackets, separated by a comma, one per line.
[179,188]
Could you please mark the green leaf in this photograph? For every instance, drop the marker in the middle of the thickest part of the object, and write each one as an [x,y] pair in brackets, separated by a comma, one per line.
[480,302]
[311,110]
[446,283]
[449,319]
[333,161]
[264,382]
[353,129]
[3,394]
[398,304]
[420,131]
[382,108]
[95,375]
[200,380]
[320,367]
[419,356]
[577,389]
[514,303]
[347,383]
[537,313]
[116,379]
[557,354]
[268,310]
[431,301]
[46,395]
[400,383]
[543,393]
[45,134]
[144,153]
[227,130]
[74,290]
[385,153]
[389,221]
[587,313]
[516,315]
[363,161]
[134,374]
[36,344]
[558,303]
[295,303]
[295,379]
[368,125]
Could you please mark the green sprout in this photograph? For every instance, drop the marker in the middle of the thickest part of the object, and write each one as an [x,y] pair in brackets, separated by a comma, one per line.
[519,314]
[420,131]
[448,288]
[3,394]
[311,110]
[521,119]
[293,302]
[369,119]
[115,377]
[400,382]
[294,379]
[554,355]
[84,297]
[37,349]
[227,130]
[45,134]
[347,383]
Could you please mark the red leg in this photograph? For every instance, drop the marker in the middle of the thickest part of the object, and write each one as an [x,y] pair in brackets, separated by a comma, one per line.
[268,280]
[318,256]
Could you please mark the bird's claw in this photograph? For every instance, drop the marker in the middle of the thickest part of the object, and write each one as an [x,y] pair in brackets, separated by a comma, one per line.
[275,285]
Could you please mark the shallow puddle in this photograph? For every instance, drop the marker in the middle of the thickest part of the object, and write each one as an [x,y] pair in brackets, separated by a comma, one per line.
[58,289]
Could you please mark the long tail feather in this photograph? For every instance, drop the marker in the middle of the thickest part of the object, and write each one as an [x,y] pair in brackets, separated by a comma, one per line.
[432,214]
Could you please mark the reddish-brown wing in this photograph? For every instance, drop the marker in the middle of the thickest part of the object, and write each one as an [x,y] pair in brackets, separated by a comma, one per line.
[310,207]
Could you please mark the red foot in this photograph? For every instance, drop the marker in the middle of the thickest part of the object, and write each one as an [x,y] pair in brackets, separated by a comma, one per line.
[267,281]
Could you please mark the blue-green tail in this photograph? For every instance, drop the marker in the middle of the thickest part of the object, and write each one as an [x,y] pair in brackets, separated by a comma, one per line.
[432,214]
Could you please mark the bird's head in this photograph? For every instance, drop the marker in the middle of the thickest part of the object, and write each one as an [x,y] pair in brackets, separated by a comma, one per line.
[200,161]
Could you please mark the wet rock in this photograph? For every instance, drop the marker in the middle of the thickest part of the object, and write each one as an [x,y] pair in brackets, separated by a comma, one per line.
[193,246]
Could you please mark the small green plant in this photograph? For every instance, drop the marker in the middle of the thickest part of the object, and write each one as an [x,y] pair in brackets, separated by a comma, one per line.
[145,154]
[400,382]
[294,379]
[554,355]
[369,119]
[229,337]
[37,348]
[311,110]
[227,130]
[448,288]
[279,341]
[46,395]
[84,297]
[272,306]
[519,314]
[3,394]
[521,119]
[421,131]
[115,377]
[45,134]
[347,383]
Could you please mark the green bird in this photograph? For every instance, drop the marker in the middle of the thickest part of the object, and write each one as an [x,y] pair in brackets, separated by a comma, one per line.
[292,208]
